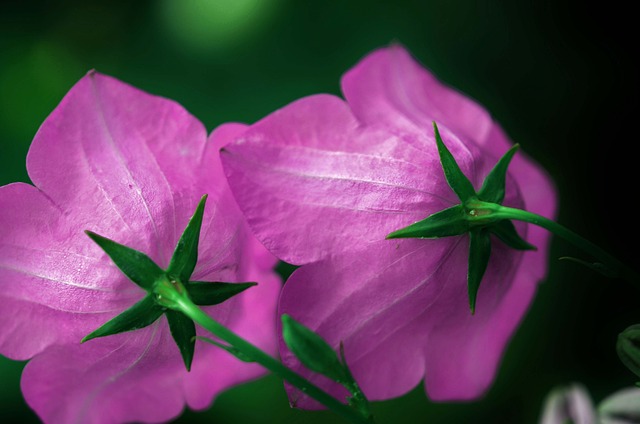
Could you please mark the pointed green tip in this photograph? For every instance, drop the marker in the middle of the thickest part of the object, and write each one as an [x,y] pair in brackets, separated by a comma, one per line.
[97,238]
[200,209]
[472,303]
[89,336]
[201,203]
[392,235]
[436,132]
[404,233]
[409,232]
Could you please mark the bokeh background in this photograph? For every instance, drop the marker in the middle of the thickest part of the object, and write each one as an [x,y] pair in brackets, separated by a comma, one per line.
[558,75]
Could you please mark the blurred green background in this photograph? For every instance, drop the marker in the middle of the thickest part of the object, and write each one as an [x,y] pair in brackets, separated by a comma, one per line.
[559,76]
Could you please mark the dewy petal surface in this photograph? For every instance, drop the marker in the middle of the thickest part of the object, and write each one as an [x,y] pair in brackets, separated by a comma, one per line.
[321,182]
[312,181]
[132,167]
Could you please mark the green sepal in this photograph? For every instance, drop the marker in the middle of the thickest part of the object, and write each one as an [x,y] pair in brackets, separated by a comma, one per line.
[493,187]
[506,231]
[458,182]
[134,264]
[479,254]
[183,331]
[628,348]
[312,350]
[204,293]
[232,350]
[447,222]
[140,315]
[185,255]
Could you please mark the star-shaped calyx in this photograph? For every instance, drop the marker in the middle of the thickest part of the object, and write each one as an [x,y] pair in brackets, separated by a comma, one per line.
[140,269]
[474,215]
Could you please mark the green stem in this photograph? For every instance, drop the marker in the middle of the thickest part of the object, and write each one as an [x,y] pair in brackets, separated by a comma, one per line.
[614,266]
[358,399]
[187,307]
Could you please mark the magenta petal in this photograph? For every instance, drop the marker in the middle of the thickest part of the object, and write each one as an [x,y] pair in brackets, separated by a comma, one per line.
[139,376]
[111,380]
[311,182]
[111,156]
[366,299]
[401,309]
[390,87]
[53,294]
[132,167]
[466,349]
[226,133]
[220,137]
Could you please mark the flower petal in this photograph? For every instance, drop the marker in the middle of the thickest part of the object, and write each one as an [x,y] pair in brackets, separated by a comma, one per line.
[132,377]
[50,293]
[139,376]
[388,86]
[116,161]
[400,307]
[113,159]
[311,182]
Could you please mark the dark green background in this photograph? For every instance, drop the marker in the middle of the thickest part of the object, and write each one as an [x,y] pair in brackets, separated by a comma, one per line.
[558,75]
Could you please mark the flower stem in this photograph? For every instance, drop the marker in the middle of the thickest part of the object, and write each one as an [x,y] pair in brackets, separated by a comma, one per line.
[184,305]
[614,267]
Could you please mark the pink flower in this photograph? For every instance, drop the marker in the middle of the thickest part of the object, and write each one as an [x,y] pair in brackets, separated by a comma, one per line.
[132,167]
[322,182]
